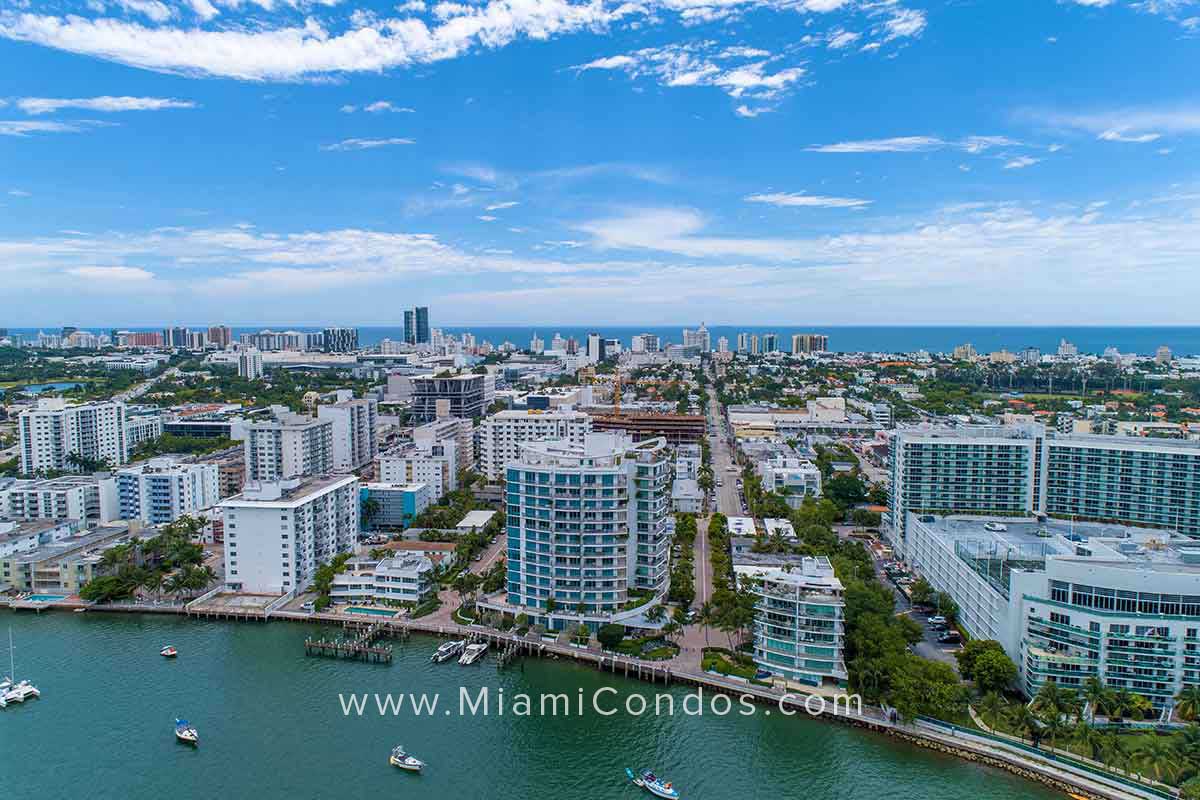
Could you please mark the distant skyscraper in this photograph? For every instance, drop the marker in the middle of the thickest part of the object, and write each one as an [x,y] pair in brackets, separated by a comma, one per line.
[1067,349]
[341,340]
[723,345]
[220,335]
[645,343]
[1163,355]
[743,342]
[698,338]
[809,343]
[422,313]
[536,344]
[595,348]
[754,343]
[410,326]
[770,342]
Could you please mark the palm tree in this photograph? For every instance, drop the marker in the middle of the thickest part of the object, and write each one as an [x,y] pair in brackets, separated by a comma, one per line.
[1024,721]
[1054,726]
[991,707]
[707,618]
[1187,702]
[1159,758]
[655,613]
[1097,696]
[176,585]
[1188,745]
[672,629]
[153,583]
[1089,739]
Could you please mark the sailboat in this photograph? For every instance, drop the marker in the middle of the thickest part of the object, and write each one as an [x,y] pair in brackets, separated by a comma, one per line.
[12,690]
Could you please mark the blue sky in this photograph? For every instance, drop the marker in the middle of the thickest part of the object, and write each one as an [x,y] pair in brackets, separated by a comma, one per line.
[551,161]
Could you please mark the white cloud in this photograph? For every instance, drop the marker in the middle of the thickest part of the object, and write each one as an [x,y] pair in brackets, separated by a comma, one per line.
[1021,162]
[1135,124]
[904,23]
[750,113]
[378,107]
[30,127]
[800,199]
[915,144]
[18,193]
[103,274]
[1135,138]
[365,144]
[370,42]
[106,104]
[840,39]
[706,64]
[486,218]
[501,206]
[152,9]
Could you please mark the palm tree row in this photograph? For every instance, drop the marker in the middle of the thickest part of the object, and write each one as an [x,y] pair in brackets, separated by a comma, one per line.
[1057,713]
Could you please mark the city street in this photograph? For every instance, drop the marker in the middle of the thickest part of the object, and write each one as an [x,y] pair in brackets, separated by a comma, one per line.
[724,467]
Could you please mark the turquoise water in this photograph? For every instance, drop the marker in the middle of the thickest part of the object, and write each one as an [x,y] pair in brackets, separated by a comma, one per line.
[379,612]
[38,388]
[271,726]
[46,598]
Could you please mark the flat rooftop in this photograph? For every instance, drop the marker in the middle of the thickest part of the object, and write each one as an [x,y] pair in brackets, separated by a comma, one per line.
[1031,539]
[290,491]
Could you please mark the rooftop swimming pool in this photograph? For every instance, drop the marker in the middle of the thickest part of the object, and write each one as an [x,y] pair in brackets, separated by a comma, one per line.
[46,598]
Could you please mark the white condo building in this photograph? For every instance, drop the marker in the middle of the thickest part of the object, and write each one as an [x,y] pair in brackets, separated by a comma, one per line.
[460,431]
[55,431]
[164,489]
[288,446]
[91,499]
[354,432]
[502,435]
[799,476]
[278,533]
[799,623]
[434,464]
[1072,601]
[586,524]
[250,365]
[406,578]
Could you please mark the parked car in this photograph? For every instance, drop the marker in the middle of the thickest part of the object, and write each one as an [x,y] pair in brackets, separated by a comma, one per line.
[309,606]
[950,637]
[937,619]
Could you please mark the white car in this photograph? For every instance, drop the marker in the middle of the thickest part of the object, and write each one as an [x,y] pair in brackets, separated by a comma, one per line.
[937,620]
[995,527]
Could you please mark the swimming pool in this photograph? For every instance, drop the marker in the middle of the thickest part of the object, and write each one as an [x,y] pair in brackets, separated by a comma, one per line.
[46,598]
[377,612]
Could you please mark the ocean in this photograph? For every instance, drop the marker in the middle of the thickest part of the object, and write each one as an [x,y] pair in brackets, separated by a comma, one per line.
[1144,340]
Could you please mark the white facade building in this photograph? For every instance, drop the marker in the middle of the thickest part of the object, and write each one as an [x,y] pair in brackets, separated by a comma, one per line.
[1072,601]
[460,431]
[91,499]
[799,628]
[278,533]
[799,476]
[54,432]
[355,423]
[406,578]
[250,365]
[288,446]
[164,489]
[502,435]
[432,463]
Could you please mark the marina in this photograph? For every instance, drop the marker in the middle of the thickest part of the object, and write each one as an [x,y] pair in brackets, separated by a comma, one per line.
[239,680]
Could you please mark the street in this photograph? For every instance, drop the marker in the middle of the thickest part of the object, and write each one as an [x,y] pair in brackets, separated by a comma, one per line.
[725,471]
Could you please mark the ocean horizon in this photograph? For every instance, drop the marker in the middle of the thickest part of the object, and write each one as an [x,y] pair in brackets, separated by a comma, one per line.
[1139,339]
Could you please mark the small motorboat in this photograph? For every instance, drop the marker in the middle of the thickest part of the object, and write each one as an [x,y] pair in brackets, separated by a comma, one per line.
[653,784]
[185,732]
[473,653]
[448,651]
[168,652]
[403,760]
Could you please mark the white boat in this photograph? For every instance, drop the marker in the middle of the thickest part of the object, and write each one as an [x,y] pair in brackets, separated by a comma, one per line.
[448,651]
[185,732]
[473,653]
[11,690]
[403,760]
[653,784]
[168,652]
[20,692]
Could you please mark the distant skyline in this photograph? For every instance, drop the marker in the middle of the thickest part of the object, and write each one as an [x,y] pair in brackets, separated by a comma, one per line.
[896,162]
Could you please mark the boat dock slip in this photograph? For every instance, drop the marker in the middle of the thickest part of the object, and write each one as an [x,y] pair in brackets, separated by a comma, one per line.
[361,647]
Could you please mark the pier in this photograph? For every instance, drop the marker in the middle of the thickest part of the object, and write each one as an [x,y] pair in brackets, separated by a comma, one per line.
[362,647]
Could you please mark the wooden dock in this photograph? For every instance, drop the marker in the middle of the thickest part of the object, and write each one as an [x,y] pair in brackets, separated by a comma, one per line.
[359,644]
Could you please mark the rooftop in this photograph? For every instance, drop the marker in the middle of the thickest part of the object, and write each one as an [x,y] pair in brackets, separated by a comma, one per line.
[287,492]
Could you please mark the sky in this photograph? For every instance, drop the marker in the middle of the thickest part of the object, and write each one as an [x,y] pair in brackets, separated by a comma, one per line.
[639,162]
